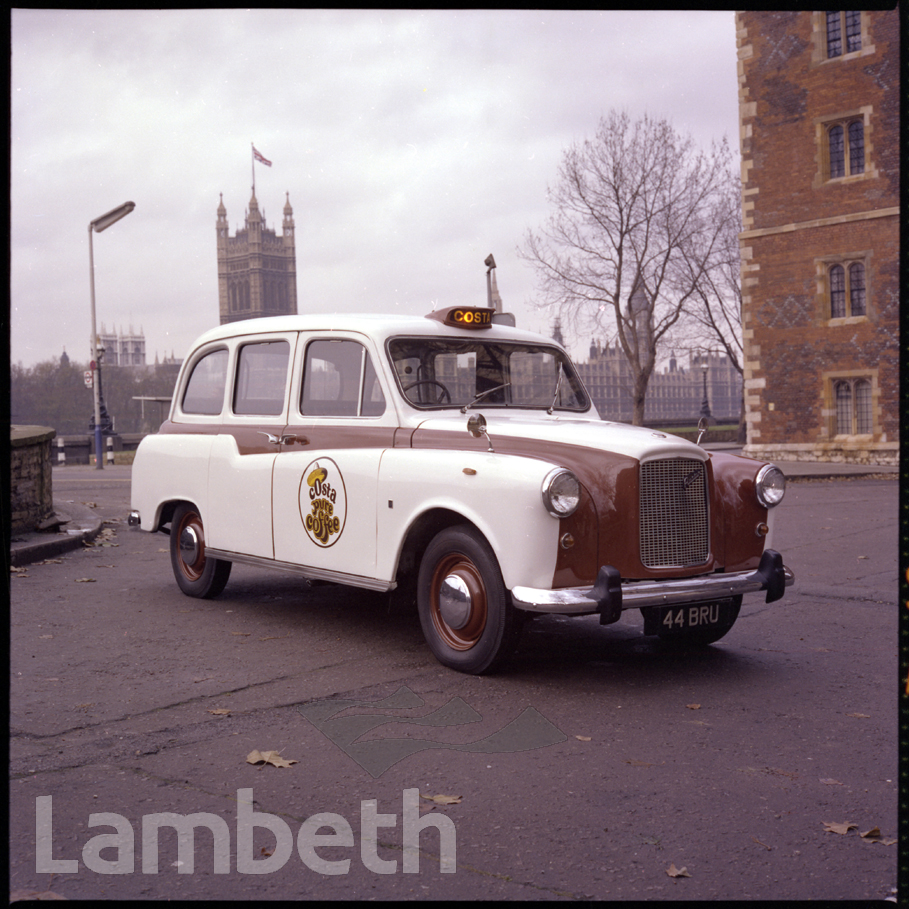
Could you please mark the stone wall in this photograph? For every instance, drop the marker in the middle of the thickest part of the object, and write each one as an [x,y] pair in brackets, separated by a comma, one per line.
[31,486]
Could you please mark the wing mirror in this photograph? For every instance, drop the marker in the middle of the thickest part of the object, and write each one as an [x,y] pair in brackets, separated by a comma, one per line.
[703,424]
[476,426]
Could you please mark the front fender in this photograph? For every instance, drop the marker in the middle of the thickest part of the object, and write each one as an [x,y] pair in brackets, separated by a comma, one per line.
[499,494]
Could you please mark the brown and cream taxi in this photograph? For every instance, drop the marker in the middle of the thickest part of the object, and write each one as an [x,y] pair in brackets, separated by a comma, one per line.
[457,457]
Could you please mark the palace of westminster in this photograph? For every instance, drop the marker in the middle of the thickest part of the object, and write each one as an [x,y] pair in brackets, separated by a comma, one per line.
[257,276]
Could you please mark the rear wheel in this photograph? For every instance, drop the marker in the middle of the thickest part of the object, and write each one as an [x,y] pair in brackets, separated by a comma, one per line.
[196,574]
[465,610]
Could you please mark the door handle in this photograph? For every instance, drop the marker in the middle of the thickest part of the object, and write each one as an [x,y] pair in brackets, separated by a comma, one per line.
[273,439]
[291,439]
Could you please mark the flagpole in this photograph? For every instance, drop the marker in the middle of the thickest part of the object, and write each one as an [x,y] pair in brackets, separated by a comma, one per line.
[252,147]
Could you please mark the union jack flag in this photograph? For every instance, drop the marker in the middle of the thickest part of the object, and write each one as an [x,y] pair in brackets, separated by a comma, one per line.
[260,157]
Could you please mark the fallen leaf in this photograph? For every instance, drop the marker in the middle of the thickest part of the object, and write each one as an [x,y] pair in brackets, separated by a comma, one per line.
[693,706]
[583,738]
[874,836]
[220,711]
[672,871]
[241,634]
[842,829]
[85,580]
[45,637]
[442,799]
[863,557]
[831,782]
[17,569]
[859,716]
[268,757]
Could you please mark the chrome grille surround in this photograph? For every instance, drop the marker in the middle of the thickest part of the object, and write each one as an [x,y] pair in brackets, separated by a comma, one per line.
[675,518]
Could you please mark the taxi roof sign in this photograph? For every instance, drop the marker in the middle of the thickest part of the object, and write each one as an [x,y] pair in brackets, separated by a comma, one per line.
[464,316]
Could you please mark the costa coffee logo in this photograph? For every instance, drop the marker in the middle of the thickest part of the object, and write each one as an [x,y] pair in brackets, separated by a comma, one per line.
[323,502]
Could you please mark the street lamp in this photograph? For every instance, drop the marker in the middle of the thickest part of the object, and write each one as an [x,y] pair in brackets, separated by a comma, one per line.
[705,404]
[99,224]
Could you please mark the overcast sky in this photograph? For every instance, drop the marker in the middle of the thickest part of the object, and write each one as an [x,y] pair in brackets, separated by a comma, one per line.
[412,145]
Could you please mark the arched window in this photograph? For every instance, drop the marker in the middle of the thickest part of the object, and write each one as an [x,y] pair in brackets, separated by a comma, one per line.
[839,21]
[857,289]
[837,292]
[845,157]
[856,147]
[837,152]
[854,414]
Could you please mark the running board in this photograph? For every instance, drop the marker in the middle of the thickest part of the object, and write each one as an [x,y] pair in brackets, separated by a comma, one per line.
[311,574]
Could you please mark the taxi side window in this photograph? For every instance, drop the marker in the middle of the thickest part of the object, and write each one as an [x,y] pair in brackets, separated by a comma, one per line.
[205,389]
[339,380]
[261,378]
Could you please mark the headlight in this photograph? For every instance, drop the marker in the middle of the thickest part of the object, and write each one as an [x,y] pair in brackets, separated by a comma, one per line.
[561,492]
[770,486]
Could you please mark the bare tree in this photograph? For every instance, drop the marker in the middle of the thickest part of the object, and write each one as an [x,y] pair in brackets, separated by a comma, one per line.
[715,316]
[631,235]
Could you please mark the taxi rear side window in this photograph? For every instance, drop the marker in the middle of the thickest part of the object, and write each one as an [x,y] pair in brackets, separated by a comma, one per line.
[261,378]
[205,389]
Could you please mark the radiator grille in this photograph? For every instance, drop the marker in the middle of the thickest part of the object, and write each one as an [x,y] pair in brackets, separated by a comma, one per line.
[674,514]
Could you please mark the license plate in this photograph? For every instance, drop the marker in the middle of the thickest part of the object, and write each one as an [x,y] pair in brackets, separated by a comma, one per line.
[670,619]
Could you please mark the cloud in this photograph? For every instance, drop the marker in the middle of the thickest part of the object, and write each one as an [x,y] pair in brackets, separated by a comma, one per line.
[412,144]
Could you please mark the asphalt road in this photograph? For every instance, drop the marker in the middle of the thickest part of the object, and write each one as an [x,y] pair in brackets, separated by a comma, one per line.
[599,765]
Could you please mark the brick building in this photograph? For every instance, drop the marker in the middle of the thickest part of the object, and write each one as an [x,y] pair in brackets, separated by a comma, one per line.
[819,123]
[257,269]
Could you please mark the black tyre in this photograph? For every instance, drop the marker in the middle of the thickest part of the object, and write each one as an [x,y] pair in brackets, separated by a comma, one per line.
[701,637]
[197,576]
[465,610]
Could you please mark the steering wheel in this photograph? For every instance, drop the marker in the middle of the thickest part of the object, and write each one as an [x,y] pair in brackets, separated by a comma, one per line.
[442,397]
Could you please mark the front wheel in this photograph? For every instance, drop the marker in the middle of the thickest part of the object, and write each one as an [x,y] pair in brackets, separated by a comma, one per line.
[465,609]
[197,575]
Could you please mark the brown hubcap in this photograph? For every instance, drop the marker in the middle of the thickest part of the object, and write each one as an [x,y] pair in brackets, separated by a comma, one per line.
[191,546]
[458,602]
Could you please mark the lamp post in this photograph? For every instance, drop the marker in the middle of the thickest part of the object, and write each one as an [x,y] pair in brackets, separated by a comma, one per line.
[705,404]
[99,224]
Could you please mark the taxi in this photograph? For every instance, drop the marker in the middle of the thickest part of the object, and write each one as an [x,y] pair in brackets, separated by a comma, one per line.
[455,458]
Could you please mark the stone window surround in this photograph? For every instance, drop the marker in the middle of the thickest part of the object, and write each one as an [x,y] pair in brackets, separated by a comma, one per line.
[819,33]
[822,126]
[828,410]
[823,264]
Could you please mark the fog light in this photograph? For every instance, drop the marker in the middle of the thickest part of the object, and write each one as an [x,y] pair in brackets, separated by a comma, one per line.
[567,541]
[762,530]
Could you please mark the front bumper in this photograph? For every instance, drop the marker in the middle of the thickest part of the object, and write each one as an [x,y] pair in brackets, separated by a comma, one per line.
[610,595]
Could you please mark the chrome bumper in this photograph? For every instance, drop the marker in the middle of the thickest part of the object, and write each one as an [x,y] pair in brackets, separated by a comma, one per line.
[610,595]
